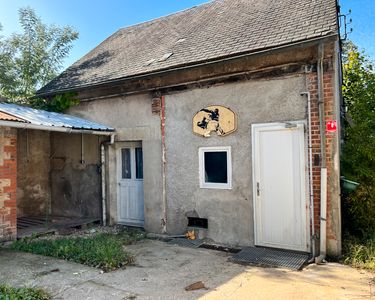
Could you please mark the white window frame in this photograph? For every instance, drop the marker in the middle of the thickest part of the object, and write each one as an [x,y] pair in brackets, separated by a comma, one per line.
[211,185]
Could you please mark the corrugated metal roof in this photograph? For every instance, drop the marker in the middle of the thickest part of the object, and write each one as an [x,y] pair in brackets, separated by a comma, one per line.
[51,119]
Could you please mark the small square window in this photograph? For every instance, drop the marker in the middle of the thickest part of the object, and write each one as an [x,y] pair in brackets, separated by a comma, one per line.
[215,167]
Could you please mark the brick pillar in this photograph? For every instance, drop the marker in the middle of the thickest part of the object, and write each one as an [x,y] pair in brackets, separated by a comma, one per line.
[331,163]
[8,183]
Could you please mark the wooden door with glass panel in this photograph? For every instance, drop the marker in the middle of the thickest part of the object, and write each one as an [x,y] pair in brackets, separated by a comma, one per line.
[130,182]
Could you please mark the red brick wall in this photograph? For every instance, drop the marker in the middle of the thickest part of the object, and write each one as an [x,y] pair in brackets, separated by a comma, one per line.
[8,183]
[331,149]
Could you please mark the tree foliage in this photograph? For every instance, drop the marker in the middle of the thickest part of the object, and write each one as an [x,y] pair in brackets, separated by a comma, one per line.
[358,160]
[30,59]
[58,103]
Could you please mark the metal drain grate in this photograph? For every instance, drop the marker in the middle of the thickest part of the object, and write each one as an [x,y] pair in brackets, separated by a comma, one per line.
[186,243]
[270,258]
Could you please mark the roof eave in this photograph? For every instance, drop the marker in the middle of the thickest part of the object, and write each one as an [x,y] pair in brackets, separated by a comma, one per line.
[22,125]
[190,65]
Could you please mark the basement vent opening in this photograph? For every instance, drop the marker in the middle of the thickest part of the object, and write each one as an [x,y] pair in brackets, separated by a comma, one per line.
[198,222]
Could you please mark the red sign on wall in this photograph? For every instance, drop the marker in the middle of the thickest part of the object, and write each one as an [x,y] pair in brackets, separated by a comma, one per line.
[332,126]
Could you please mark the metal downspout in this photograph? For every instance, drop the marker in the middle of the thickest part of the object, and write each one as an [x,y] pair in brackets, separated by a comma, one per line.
[164,166]
[311,190]
[103,173]
[323,173]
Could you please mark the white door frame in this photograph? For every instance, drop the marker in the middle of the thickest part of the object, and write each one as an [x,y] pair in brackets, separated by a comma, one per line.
[119,147]
[304,177]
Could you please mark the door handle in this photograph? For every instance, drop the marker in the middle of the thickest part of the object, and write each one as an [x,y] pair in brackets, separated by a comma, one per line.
[258,189]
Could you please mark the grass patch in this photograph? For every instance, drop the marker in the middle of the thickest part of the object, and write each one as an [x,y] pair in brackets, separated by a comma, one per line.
[10,293]
[360,253]
[102,250]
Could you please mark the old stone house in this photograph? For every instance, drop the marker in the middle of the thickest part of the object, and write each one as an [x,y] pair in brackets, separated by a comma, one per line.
[226,119]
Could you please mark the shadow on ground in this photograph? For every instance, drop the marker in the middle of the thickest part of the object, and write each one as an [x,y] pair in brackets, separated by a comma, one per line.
[162,271]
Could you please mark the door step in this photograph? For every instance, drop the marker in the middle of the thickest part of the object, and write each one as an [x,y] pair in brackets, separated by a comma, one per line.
[274,258]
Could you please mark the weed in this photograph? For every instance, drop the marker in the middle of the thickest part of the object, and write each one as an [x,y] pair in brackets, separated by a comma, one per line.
[360,253]
[103,250]
[10,293]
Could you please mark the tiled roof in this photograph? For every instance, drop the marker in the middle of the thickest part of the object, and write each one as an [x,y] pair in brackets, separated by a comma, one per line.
[218,29]
[44,118]
[8,117]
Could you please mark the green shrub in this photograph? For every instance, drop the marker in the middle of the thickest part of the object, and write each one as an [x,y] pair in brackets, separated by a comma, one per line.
[104,250]
[360,253]
[10,293]
[359,211]
[358,156]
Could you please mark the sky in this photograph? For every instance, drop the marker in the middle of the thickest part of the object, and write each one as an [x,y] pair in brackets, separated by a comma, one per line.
[363,25]
[95,20]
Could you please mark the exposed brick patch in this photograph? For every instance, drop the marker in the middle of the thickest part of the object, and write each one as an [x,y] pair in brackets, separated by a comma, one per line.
[8,183]
[329,107]
[156,105]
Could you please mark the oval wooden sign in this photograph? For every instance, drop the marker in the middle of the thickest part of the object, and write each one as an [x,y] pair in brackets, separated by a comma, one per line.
[214,119]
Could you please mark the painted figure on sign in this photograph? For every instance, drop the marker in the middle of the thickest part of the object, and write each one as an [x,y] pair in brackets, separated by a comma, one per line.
[211,123]
[217,118]
[214,114]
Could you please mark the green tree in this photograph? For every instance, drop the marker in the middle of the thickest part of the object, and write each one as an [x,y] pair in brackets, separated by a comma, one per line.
[358,160]
[30,59]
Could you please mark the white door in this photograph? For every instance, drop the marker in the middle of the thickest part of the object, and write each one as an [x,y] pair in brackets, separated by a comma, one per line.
[130,183]
[280,200]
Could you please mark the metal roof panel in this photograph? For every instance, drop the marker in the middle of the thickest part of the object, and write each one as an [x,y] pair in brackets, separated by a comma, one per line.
[46,118]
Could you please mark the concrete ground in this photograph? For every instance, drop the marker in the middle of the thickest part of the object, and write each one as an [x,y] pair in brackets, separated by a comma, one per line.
[162,271]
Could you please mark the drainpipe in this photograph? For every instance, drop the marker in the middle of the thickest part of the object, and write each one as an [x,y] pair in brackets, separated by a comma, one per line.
[103,172]
[310,173]
[323,172]
[164,165]
[82,162]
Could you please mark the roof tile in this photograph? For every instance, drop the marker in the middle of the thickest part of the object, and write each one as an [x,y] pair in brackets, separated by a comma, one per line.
[217,29]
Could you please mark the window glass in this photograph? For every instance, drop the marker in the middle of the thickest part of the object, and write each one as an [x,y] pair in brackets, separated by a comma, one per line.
[216,167]
[138,163]
[126,165]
